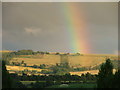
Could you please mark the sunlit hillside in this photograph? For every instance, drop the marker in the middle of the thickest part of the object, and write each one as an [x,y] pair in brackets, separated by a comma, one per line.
[38,59]
[20,68]
[87,71]
[90,60]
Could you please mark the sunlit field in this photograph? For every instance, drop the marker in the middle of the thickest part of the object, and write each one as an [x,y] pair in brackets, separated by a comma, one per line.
[91,60]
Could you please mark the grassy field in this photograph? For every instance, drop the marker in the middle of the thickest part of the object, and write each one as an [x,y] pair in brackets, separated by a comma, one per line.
[38,59]
[87,60]
[27,82]
[82,85]
[71,85]
[20,68]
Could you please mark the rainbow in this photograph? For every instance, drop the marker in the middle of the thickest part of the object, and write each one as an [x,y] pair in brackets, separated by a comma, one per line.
[76,28]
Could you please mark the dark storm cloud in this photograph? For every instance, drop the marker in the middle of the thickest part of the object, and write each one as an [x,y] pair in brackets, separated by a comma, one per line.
[40,26]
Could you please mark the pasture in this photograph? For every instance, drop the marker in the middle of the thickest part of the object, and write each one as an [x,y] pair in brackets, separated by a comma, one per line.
[86,60]
[20,68]
[79,85]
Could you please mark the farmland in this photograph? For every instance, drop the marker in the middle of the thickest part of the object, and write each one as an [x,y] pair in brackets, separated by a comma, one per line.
[85,62]
[82,85]
[20,68]
[53,70]
[74,60]
[90,71]
[38,59]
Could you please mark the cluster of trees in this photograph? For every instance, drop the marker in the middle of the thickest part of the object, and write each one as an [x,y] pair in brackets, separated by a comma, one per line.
[42,66]
[106,78]
[61,69]
[58,69]
[80,69]
[28,52]
[22,63]
[38,84]
[24,52]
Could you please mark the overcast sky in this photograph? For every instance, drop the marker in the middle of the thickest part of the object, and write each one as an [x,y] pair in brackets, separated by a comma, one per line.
[40,26]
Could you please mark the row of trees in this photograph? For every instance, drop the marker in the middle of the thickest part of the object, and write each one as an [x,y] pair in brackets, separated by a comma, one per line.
[67,77]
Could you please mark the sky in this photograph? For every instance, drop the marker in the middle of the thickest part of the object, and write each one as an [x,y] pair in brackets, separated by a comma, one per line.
[42,26]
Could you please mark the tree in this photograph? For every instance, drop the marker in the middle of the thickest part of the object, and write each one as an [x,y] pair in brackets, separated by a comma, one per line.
[42,66]
[105,75]
[38,84]
[88,76]
[25,64]
[57,53]
[6,80]
[35,66]
[117,79]
[47,53]
[77,53]
[22,62]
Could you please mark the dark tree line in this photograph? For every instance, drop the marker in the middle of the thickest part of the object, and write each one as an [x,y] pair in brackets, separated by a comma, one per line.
[66,77]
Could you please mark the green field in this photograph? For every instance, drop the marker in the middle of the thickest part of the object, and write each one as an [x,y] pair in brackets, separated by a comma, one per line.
[27,82]
[75,85]
[82,85]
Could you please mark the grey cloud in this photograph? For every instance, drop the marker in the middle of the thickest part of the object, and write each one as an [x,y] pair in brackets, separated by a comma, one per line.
[41,26]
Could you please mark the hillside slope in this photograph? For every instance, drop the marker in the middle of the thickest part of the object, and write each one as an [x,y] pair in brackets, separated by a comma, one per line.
[90,60]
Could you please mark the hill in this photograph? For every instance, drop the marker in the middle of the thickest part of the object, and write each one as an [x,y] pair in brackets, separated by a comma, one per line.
[76,61]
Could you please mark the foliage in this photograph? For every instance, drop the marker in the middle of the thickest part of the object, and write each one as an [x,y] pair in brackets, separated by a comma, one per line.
[65,77]
[35,66]
[116,82]
[42,66]
[77,53]
[57,53]
[8,81]
[105,75]
[46,72]
[61,69]
[76,85]
[80,69]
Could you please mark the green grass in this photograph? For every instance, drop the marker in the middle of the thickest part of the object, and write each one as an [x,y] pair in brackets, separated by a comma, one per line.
[27,82]
[82,85]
